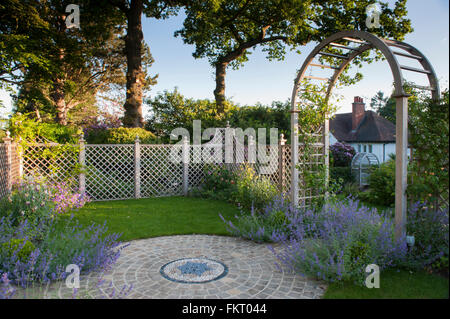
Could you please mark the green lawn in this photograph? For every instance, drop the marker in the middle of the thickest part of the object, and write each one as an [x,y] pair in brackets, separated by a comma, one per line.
[394,285]
[151,217]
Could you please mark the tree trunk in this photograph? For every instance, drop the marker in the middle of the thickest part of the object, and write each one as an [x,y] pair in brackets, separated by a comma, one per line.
[135,77]
[219,92]
[58,94]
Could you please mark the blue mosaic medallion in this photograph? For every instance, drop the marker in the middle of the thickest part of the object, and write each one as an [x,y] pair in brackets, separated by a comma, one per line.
[194,270]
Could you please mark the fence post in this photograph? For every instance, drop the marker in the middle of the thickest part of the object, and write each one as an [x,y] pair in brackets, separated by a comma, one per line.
[7,140]
[251,156]
[185,165]
[137,167]
[20,157]
[281,162]
[82,160]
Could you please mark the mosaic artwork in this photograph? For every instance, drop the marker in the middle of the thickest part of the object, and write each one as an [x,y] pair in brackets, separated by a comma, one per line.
[194,270]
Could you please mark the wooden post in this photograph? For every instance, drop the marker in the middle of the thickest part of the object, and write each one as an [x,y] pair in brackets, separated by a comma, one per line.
[281,162]
[137,167]
[326,145]
[251,156]
[294,159]
[82,160]
[401,162]
[7,140]
[185,166]
[228,138]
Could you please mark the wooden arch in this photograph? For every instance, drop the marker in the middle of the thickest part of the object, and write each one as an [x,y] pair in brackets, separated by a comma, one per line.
[390,49]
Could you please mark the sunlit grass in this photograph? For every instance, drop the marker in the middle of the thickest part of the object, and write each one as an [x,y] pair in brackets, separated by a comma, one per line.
[164,216]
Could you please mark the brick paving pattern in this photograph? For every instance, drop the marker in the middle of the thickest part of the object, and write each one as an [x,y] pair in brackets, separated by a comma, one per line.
[252,273]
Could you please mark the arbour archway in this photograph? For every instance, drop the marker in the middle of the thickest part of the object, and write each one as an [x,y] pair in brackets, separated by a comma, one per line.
[365,41]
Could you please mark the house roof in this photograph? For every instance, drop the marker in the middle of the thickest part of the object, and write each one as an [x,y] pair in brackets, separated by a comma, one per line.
[372,128]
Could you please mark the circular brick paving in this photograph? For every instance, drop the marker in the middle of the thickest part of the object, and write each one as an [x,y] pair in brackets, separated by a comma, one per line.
[251,270]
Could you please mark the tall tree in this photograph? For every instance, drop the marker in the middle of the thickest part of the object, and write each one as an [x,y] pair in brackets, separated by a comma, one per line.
[225,30]
[21,32]
[384,106]
[74,63]
[136,79]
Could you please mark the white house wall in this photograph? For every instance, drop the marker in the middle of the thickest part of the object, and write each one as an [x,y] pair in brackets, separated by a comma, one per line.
[381,150]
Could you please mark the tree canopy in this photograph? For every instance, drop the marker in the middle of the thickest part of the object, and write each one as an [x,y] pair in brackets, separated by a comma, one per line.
[223,31]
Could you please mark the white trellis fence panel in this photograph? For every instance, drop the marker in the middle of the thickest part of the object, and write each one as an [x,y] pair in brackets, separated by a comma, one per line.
[161,175]
[57,163]
[125,171]
[109,171]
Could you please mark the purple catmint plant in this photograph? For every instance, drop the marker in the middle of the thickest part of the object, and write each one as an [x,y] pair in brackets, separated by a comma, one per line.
[430,228]
[338,241]
[92,248]
[260,225]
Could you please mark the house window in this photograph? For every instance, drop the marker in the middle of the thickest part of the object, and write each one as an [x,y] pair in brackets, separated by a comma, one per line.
[359,148]
[365,148]
[370,148]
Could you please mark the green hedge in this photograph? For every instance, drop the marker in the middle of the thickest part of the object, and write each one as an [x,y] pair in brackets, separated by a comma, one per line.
[29,129]
[382,184]
[121,135]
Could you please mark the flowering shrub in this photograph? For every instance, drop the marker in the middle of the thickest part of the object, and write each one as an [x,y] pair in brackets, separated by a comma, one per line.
[218,183]
[430,229]
[30,200]
[36,202]
[338,241]
[243,187]
[65,199]
[342,154]
[261,226]
[253,191]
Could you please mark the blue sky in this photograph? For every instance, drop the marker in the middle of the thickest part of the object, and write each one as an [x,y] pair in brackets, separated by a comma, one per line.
[260,80]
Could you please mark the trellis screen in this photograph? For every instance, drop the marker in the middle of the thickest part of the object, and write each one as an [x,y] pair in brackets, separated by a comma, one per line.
[125,171]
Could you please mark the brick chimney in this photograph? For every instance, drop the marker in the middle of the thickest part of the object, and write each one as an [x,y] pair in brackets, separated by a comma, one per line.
[358,111]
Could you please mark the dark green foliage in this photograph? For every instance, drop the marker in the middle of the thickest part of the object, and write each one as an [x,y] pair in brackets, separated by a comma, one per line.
[170,110]
[344,173]
[219,183]
[382,185]
[384,106]
[121,135]
[429,138]
[263,116]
